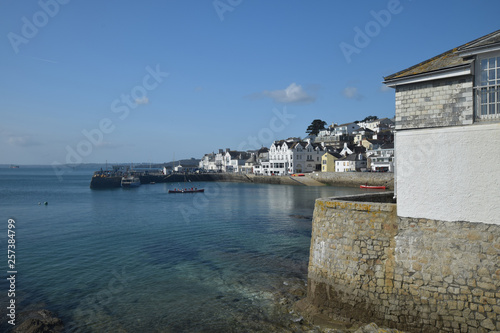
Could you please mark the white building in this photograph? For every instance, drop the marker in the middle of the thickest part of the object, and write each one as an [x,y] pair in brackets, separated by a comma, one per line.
[350,163]
[207,162]
[377,125]
[343,130]
[294,157]
[447,139]
[234,161]
[261,165]
[382,158]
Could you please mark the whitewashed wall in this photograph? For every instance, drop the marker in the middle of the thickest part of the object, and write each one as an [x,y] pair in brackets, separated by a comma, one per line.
[449,173]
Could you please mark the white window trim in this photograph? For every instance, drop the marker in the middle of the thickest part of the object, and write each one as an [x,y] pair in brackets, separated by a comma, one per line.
[492,88]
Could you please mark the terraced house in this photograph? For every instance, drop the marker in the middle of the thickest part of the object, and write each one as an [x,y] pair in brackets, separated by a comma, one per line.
[288,157]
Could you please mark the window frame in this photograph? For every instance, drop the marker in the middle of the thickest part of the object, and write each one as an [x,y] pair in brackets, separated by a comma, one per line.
[487,89]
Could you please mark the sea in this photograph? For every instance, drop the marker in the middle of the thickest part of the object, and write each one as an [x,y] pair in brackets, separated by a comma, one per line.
[231,259]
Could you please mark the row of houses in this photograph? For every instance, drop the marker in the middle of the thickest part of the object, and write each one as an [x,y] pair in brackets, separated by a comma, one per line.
[356,146]
[291,156]
[379,129]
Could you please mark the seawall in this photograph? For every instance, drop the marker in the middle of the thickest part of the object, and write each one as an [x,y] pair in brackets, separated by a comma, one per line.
[355,178]
[350,179]
[417,275]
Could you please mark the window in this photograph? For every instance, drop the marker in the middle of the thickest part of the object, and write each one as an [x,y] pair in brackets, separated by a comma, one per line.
[488,87]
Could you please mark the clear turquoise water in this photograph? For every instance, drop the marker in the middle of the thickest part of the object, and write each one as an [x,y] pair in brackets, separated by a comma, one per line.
[143,260]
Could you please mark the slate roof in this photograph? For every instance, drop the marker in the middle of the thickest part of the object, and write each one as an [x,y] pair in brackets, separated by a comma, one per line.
[334,154]
[346,124]
[448,59]
[354,157]
[239,155]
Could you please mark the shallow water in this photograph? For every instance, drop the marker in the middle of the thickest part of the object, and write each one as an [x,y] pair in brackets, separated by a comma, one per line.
[144,260]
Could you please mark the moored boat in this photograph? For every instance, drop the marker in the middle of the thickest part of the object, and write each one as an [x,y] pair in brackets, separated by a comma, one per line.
[187,190]
[130,181]
[372,187]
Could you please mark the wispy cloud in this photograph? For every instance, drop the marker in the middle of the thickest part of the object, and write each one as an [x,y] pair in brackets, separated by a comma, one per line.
[293,94]
[22,141]
[352,93]
[143,100]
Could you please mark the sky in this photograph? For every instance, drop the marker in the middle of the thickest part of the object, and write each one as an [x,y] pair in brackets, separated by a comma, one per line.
[151,81]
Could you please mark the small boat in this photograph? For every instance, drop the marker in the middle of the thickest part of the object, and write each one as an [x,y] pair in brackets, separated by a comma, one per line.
[187,190]
[14,166]
[372,187]
[130,181]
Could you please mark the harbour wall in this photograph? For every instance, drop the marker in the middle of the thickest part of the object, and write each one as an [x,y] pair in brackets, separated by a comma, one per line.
[355,178]
[350,179]
[417,275]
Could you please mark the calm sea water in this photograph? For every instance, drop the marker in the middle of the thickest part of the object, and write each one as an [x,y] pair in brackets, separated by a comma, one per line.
[143,260]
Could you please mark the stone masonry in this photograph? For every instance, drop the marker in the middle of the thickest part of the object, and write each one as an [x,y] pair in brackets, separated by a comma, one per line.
[435,104]
[416,275]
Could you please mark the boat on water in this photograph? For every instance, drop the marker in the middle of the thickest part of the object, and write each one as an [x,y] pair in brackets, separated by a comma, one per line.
[187,190]
[373,187]
[130,181]
[14,166]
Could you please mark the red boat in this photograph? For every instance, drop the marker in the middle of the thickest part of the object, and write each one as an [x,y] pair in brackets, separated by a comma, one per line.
[372,187]
[187,190]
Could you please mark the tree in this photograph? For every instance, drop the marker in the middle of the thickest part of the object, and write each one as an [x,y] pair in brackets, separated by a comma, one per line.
[316,126]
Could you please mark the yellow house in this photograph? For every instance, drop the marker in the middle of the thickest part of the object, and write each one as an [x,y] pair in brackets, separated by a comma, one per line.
[328,162]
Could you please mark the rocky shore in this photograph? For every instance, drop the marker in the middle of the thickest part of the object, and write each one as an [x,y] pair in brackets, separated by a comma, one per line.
[38,321]
[286,318]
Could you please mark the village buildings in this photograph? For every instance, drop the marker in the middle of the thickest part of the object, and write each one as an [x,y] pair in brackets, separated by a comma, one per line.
[294,155]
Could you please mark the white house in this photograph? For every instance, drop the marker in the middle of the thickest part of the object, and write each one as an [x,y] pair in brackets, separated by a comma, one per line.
[350,163]
[345,130]
[377,125]
[447,138]
[234,161]
[382,158]
[294,157]
[207,162]
[261,165]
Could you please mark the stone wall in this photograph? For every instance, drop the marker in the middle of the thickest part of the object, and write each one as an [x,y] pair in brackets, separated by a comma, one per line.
[354,178]
[417,275]
[435,104]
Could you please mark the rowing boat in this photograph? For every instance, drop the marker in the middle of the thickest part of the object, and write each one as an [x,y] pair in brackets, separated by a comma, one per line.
[373,187]
[187,190]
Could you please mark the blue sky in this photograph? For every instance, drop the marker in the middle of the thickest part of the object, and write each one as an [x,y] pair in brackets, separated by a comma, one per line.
[129,81]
